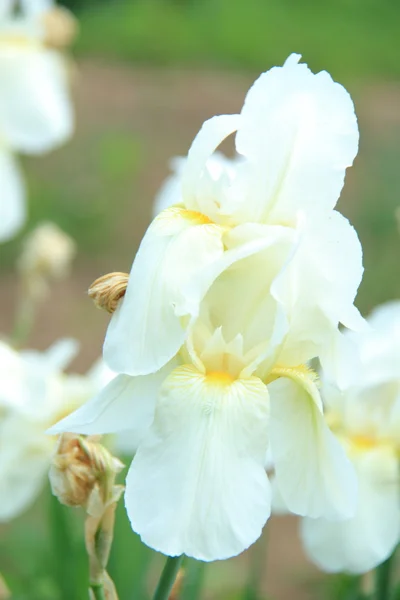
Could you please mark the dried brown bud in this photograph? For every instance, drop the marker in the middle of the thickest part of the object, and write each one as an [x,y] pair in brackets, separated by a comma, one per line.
[107,290]
[83,472]
[60,27]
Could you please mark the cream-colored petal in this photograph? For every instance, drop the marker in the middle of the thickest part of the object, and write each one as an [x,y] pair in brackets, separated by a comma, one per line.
[197,485]
[146,330]
[239,298]
[318,286]
[126,404]
[210,136]
[360,544]
[299,132]
[313,473]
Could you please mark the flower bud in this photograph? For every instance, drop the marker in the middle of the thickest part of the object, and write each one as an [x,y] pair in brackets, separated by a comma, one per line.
[46,256]
[107,290]
[83,473]
[60,27]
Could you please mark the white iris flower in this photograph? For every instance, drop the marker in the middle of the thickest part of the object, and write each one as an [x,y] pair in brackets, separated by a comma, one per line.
[366,417]
[234,288]
[34,393]
[296,134]
[35,108]
[203,423]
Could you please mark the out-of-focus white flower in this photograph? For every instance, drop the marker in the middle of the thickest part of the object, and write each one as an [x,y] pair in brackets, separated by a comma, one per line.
[46,256]
[204,421]
[34,393]
[35,108]
[365,415]
[296,135]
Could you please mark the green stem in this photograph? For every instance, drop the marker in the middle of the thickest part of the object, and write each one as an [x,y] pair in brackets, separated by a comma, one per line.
[168,577]
[194,571]
[258,565]
[63,550]
[98,591]
[382,579]
[23,322]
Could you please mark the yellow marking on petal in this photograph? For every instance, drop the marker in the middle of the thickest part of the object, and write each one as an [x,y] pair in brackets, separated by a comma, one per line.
[303,376]
[364,442]
[219,378]
[301,373]
[194,216]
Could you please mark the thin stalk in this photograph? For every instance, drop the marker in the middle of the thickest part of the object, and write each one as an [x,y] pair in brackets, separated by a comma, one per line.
[193,580]
[383,579]
[98,591]
[168,577]
[258,565]
[23,322]
[63,550]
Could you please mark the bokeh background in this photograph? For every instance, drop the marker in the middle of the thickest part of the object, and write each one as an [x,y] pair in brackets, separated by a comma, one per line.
[145,75]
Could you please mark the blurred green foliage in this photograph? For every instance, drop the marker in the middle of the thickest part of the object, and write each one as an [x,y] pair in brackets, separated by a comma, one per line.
[346,37]
[79,190]
[375,221]
[344,587]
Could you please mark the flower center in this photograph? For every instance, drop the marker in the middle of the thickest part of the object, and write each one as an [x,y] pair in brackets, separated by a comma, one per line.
[219,378]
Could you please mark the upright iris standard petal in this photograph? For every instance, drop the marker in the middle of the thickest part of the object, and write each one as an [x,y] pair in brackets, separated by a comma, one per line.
[35,109]
[146,329]
[313,473]
[126,403]
[360,544]
[12,197]
[197,485]
[210,136]
[299,132]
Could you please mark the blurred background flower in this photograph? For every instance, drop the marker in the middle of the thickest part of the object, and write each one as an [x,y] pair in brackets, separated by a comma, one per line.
[34,393]
[364,413]
[35,109]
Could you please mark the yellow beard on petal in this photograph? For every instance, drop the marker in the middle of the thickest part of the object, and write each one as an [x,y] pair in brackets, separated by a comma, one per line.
[364,442]
[193,216]
[299,372]
[219,378]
